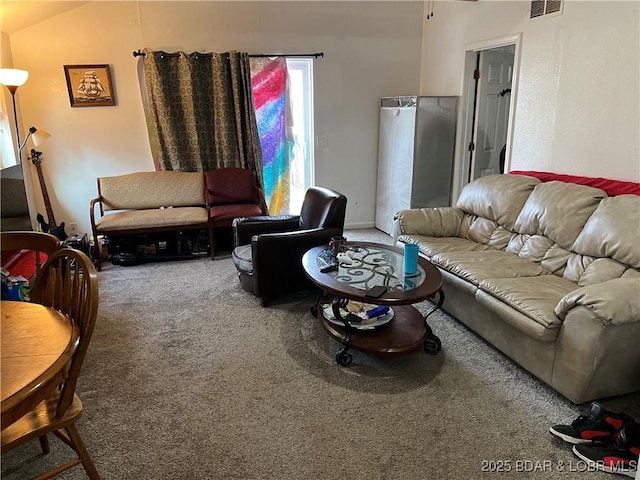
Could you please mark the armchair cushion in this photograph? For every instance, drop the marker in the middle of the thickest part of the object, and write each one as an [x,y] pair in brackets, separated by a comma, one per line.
[226,213]
[242,258]
[227,186]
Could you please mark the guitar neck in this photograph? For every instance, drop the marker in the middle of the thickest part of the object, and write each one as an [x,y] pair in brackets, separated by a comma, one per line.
[45,195]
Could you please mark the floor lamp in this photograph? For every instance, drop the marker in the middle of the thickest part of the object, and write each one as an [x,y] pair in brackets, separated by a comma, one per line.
[12,79]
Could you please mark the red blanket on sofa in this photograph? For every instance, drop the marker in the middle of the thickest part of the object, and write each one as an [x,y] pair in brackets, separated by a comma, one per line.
[611,187]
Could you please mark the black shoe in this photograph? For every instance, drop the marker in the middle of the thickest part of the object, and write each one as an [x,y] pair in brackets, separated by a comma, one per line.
[598,427]
[620,456]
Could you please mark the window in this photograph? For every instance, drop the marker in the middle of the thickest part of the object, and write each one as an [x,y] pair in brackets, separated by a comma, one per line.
[301,94]
[7,153]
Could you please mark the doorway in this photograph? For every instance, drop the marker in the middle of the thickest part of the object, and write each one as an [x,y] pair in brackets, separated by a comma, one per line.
[490,85]
[492,100]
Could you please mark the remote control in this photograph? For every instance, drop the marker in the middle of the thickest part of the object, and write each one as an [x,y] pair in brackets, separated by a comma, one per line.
[352,318]
[327,261]
[329,268]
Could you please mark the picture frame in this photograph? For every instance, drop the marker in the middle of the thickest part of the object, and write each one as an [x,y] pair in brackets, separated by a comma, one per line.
[89,85]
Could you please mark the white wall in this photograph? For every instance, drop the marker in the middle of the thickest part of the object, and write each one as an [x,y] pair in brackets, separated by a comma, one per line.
[577,104]
[372,49]
[576,108]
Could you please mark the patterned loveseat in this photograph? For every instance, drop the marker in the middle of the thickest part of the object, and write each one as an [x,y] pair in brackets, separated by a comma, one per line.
[547,272]
[146,202]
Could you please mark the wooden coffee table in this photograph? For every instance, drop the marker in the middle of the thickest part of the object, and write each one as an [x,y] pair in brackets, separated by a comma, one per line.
[376,264]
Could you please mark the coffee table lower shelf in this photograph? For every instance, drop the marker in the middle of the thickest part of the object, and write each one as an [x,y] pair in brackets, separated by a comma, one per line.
[407,333]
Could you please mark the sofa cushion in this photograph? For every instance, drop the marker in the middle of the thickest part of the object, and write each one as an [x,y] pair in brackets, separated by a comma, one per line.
[430,246]
[155,218]
[485,231]
[497,197]
[531,247]
[477,266]
[558,211]
[585,270]
[147,190]
[534,297]
[613,231]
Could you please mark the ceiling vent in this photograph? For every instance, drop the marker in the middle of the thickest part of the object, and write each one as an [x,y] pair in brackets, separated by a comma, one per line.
[540,8]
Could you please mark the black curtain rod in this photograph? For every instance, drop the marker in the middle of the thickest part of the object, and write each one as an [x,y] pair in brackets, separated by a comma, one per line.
[140,53]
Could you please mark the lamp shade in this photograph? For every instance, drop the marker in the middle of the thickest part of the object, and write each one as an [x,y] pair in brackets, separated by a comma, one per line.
[39,136]
[12,77]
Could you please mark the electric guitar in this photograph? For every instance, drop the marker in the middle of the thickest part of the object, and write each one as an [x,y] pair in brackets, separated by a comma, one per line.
[51,227]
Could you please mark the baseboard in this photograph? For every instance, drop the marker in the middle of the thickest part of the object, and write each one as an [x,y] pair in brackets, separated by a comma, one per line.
[359,225]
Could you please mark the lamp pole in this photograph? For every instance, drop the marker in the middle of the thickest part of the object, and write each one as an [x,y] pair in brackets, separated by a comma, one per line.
[12,89]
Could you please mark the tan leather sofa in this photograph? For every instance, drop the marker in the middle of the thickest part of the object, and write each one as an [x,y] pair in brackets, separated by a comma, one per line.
[144,202]
[547,272]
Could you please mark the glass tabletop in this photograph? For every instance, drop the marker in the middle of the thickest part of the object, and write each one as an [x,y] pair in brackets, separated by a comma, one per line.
[369,266]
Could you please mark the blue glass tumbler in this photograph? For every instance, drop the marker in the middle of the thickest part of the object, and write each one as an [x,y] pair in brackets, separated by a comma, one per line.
[410,258]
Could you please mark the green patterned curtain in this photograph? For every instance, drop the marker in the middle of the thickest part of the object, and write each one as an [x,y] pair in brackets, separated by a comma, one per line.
[199,111]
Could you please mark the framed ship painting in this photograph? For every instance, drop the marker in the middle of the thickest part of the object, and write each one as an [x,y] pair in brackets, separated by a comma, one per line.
[89,85]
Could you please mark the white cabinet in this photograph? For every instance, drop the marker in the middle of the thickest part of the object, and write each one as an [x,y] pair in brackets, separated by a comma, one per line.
[415,155]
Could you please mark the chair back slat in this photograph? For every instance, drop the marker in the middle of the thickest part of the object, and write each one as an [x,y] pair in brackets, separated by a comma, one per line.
[69,283]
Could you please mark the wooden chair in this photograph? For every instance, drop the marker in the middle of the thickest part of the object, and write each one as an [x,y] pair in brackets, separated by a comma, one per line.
[36,242]
[231,193]
[67,282]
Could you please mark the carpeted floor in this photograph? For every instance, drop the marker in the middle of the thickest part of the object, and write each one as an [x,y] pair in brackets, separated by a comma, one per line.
[187,377]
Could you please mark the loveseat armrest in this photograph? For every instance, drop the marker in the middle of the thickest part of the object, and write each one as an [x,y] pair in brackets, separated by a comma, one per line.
[614,302]
[430,222]
[92,213]
[246,227]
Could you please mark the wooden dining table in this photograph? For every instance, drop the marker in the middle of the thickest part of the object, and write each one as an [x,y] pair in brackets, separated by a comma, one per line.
[36,344]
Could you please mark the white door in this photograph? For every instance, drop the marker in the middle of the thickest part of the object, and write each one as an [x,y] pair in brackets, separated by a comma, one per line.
[492,113]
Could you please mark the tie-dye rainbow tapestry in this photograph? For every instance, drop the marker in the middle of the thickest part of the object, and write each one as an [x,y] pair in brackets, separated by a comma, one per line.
[269,82]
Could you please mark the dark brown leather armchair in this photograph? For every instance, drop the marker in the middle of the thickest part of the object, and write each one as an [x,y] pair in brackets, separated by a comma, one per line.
[268,250]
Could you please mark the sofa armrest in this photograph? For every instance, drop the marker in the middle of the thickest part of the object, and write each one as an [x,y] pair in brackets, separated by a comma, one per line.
[244,228]
[430,222]
[614,302]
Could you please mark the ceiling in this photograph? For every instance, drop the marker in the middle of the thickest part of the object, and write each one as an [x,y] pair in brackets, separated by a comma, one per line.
[16,15]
